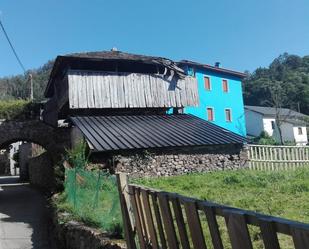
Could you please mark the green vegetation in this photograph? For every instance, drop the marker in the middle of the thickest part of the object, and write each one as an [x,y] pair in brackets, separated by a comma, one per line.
[18,86]
[286,80]
[281,193]
[269,192]
[265,139]
[90,196]
[17,109]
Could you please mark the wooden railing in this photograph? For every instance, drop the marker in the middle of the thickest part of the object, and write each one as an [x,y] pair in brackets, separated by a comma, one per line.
[277,157]
[156,219]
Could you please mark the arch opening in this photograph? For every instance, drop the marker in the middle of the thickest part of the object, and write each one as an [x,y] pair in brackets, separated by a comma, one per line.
[15,156]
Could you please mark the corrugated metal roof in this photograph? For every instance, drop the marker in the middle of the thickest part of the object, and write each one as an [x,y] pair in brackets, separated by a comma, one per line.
[108,133]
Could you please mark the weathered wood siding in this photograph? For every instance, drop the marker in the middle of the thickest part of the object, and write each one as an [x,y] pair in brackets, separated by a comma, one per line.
[129,90]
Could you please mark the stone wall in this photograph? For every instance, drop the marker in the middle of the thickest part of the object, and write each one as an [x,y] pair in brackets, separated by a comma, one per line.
[75,235]
[4,164]
[181,161]
[41,172]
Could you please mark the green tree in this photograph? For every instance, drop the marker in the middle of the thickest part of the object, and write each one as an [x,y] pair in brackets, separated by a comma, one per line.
[291,72]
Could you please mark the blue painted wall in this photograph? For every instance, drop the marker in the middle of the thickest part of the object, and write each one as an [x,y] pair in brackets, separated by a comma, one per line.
[219,100]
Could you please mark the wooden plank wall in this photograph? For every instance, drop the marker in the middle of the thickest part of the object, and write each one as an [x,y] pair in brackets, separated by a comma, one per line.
[129,90]
[268,157]
[168,220]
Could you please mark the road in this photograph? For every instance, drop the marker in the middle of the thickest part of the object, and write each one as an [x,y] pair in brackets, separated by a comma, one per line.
[24,217]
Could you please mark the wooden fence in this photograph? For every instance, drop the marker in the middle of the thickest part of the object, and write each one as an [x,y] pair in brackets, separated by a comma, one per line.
[167,220]
[277,157]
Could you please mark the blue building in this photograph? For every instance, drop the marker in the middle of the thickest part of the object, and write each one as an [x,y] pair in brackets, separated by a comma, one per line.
[220,92]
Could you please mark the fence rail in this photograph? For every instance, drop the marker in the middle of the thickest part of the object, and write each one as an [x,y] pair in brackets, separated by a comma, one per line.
[277,157]
[168,220]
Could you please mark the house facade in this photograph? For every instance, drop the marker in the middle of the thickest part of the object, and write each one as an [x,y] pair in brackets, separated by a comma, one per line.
[220,95]
[293,126]
[118,102]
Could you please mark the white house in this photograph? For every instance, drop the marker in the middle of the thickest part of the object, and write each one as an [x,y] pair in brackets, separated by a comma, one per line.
[293,127]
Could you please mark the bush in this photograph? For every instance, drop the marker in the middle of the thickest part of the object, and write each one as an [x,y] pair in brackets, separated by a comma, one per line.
[90,196]
[18,109]
[77,156]
[265,139]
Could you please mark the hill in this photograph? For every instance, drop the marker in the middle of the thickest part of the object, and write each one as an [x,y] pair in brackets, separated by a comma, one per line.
[18,87]
[287,76]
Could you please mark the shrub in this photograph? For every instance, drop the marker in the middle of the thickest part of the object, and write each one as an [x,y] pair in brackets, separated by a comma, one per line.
[18,109]
[265,139]
[77,156]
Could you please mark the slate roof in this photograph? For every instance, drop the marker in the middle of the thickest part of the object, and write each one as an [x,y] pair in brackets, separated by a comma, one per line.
[110,133]
[212,68]
[271,111]
[289,115]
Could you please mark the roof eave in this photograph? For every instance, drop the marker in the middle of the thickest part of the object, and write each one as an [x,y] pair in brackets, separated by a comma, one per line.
[215,69]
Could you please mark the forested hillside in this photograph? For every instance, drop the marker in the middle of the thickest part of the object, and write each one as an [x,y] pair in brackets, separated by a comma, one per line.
[287,78]
[18,87]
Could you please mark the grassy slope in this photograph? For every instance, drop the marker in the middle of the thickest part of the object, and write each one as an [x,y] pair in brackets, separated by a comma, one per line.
[284,194]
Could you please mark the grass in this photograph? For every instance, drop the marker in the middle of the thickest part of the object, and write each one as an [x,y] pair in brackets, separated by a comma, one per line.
[93,200]
[281,193]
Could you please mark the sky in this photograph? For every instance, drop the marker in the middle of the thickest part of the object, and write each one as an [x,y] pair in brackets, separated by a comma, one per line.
[241,34]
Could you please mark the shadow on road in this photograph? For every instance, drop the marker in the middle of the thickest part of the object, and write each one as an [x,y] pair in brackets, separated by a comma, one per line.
[24,217]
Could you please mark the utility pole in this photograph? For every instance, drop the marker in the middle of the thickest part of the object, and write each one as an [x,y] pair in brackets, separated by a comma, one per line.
[31,86]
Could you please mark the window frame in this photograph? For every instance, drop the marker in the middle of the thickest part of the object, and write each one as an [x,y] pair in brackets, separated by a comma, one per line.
[273,124]
[230,113]
[213,113]
[227,86]
[209,82]
[300,131]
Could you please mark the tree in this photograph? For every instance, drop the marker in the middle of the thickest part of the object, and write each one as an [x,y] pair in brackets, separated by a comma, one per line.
[279,99]
[291,71]
[18,87]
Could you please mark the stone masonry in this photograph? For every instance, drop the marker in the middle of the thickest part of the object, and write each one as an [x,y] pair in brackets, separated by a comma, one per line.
[181,161]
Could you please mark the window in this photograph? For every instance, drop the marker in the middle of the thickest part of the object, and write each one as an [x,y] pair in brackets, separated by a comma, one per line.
[225,86]
[228,115]
[300,131]
[210,114]
[207,83]
[273,125]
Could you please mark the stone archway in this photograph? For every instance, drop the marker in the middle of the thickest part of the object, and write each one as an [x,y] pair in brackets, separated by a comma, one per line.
[53,140]
[33,131]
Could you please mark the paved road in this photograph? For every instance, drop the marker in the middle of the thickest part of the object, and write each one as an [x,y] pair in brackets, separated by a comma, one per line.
[24,220]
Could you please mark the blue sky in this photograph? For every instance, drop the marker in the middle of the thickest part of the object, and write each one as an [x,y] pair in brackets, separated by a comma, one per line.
[241,34]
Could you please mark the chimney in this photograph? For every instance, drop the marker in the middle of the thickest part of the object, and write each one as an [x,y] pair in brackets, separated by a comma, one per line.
[217,64]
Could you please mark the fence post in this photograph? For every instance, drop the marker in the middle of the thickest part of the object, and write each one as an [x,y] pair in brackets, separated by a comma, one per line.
[122,183]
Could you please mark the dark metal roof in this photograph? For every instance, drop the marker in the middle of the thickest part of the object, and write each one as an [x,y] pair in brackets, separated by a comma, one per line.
[212,68]
[271,111]
[108,133]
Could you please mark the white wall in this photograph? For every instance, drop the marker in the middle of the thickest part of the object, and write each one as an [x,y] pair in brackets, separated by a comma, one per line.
[13,150]
[267,125]
[300,139]
[254,123]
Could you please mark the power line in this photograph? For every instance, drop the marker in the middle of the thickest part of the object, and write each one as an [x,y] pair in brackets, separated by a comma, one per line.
[12,47]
